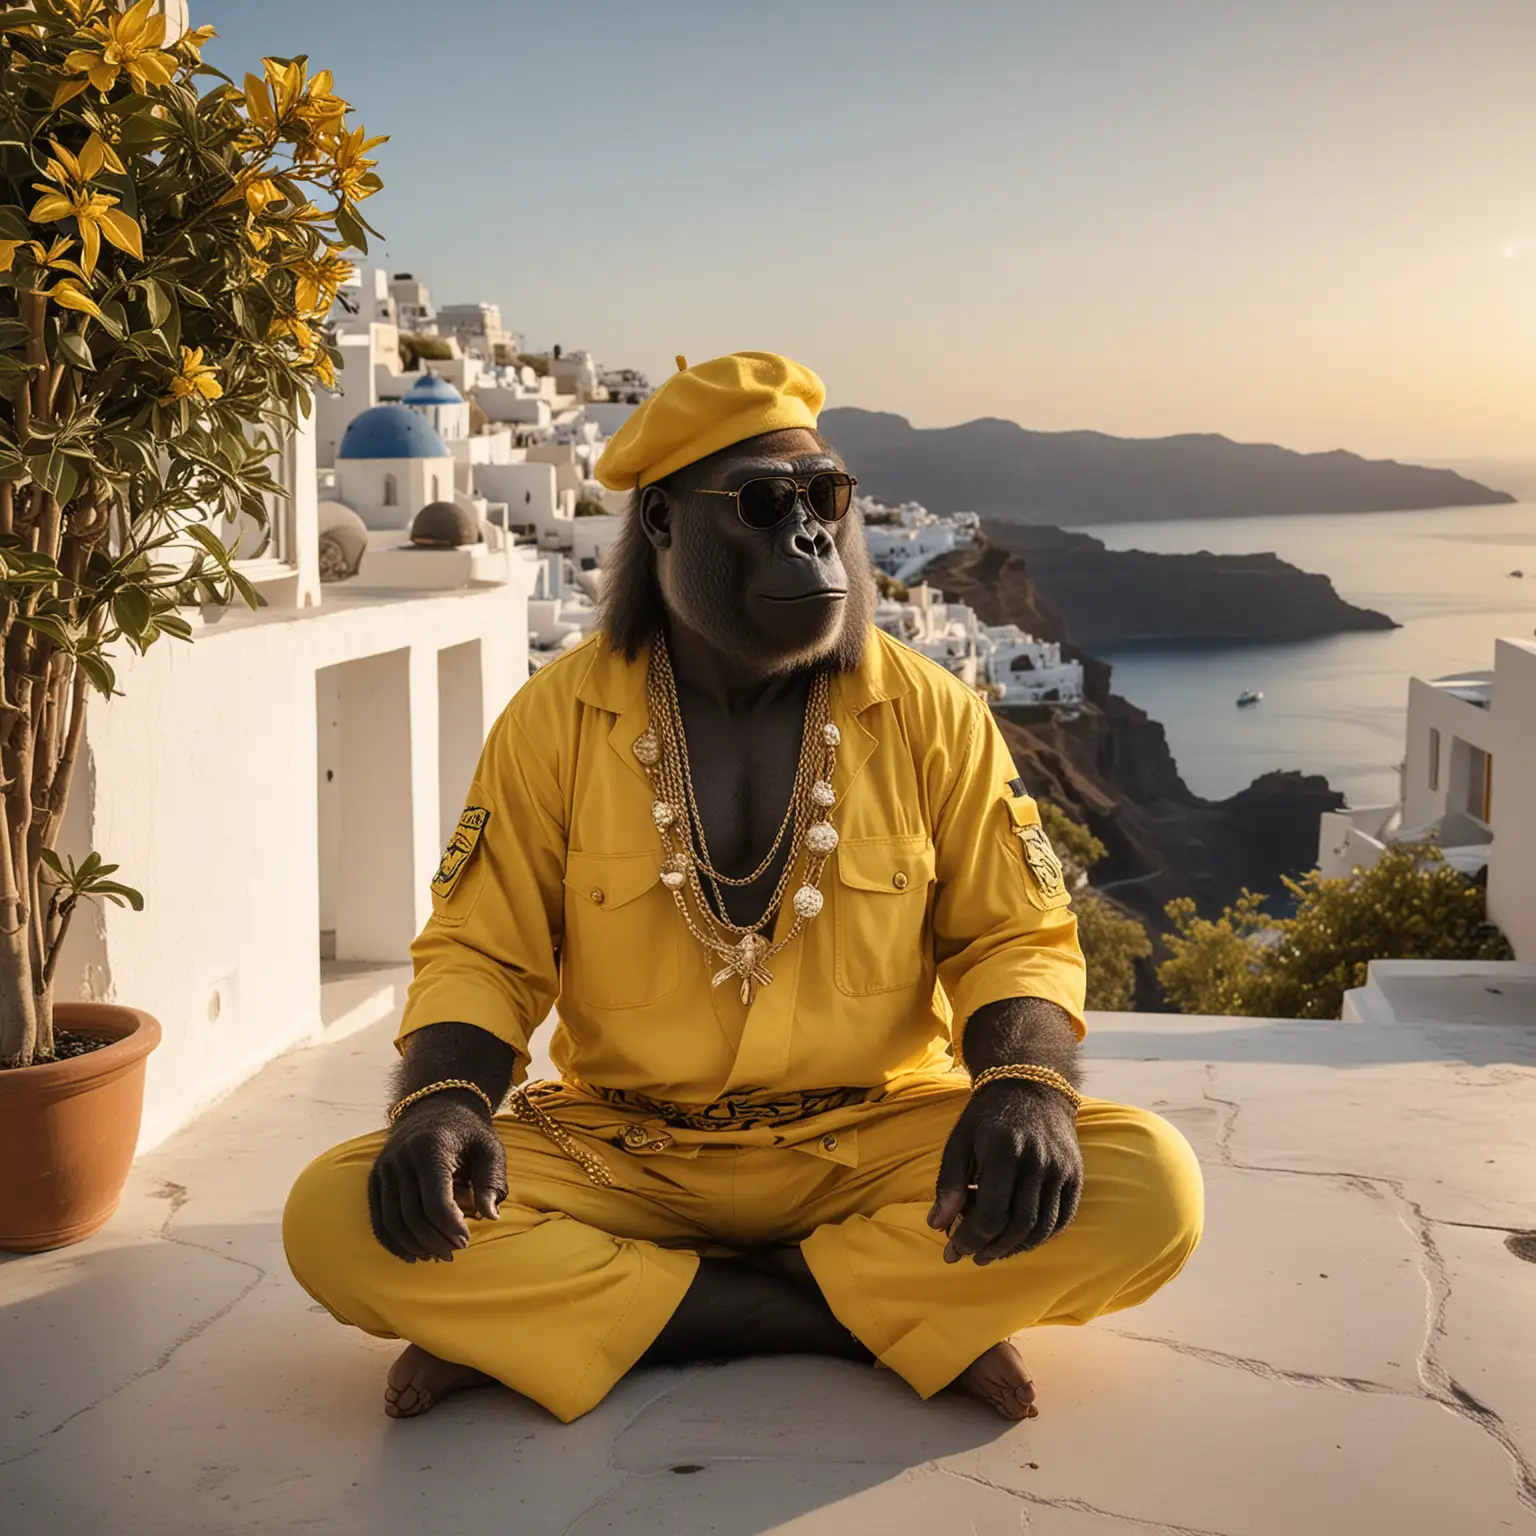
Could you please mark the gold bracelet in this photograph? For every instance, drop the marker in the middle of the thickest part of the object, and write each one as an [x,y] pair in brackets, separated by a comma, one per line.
[1025,1072]
[404,1104]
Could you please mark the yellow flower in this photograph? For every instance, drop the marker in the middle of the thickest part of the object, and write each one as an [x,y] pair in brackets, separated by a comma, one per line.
[287,83]
[129,44]
[321,110]
[261,193]
[295,329]
[193,41]
[353,181]
[316,280]
[68,294]
[8,249]
[95,213]
[195,381]
[319,363]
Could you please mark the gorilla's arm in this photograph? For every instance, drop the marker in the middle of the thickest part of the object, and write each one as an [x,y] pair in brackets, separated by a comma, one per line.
[1016,1141]
[442,1141]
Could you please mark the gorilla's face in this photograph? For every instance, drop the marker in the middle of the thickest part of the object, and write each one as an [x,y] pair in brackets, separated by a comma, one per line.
[775,598]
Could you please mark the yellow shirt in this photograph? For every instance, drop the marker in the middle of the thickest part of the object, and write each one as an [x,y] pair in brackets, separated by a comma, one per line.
[939,898]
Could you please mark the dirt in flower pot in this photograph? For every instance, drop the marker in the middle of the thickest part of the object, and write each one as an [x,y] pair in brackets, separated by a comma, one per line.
[66,1046]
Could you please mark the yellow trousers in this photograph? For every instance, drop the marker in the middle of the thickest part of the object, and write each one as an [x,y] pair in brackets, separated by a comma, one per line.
[565,1292]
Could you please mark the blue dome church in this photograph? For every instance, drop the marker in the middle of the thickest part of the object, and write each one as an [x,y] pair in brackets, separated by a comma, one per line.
[390,463]
[438,402]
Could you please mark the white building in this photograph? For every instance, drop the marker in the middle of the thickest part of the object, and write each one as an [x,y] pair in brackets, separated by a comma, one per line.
[1469,782]
[902,540]
[438,403]
[478,330]
[281,790]
[1012,667]
[414,310]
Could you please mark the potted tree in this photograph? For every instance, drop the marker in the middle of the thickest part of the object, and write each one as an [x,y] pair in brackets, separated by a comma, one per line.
[170,244]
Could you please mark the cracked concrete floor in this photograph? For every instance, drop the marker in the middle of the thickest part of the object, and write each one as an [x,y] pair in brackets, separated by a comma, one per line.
[1352,1350]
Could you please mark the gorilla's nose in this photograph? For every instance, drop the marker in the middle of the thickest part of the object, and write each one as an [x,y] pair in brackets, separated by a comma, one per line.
[803,539]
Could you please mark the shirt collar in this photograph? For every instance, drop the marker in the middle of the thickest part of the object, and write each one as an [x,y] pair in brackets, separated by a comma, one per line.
[614,683]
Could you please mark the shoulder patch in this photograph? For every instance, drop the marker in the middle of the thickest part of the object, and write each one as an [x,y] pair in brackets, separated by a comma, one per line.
[460,849]
[1045,868]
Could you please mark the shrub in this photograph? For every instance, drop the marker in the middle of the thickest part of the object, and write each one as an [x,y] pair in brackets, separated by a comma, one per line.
[165,273]
[1411,906]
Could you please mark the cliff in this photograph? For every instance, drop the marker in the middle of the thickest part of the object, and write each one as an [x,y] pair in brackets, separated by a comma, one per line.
[1110,767]
[1063,478]
[1107,598]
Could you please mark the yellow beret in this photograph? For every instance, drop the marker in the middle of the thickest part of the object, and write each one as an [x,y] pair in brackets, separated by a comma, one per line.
[700,410]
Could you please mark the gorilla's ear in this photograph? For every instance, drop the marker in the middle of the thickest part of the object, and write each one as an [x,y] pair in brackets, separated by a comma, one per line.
[656,516]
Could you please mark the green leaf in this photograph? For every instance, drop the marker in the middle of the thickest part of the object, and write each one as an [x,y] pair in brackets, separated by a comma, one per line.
[248,593]
[210,541]
[351,230]
[72,349]
[131,609]
[119,895]
[157,301]
[99,670]
[55,471]
[14,333]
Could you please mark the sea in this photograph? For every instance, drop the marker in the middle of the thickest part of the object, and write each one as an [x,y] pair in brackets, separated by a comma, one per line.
[1336,706]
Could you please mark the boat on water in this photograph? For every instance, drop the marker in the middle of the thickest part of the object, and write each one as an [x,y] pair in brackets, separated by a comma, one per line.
[1248,696]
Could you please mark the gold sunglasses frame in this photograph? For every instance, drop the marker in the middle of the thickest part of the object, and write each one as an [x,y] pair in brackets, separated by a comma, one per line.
[801,494]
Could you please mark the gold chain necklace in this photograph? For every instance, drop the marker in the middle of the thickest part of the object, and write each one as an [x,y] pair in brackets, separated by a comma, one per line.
[662,750]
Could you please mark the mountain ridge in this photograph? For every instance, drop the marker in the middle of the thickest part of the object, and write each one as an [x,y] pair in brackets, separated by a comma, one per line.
[1003,470]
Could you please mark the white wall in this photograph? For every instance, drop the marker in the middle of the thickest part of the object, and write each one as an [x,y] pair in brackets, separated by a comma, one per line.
[1456,720]
[1512,865]
[362,484]
[529,491]
[205,783]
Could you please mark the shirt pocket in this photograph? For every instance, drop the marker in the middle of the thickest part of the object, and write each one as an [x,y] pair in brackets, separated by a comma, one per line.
[1040,870]
[621,938]
[883,887]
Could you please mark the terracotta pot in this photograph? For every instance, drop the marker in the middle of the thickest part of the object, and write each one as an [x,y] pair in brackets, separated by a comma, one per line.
[68,1129]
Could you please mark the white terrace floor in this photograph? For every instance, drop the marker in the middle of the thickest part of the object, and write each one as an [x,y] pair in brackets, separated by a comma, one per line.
[1353,1350]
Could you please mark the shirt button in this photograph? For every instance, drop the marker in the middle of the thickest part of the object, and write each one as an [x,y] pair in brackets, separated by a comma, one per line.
[899,879]
[597,897]
[829,1143]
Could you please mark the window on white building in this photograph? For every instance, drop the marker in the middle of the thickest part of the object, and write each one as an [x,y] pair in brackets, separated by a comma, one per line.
[1479,784]
[1434,758]
[391,491]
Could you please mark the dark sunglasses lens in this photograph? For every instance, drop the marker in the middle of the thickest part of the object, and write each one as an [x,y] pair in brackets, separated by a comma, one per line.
[829,496]
[766,503]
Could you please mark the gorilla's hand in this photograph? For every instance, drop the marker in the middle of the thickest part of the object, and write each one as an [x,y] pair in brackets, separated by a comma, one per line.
[1017,1141]
[436,1146]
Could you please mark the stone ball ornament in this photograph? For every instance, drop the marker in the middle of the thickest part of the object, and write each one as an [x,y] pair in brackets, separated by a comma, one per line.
[444,525]
[823,794]
[808,901]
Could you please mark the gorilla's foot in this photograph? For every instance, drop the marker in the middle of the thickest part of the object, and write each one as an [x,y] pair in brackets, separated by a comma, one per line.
[999,1379]
[419,1381]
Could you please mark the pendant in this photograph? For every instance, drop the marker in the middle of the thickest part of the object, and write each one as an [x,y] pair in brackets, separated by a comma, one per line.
[745,963]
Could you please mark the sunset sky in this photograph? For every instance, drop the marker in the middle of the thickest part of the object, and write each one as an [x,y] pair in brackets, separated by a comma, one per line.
[1311,223]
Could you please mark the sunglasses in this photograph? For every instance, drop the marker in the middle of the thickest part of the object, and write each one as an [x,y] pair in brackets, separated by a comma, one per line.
[769,500]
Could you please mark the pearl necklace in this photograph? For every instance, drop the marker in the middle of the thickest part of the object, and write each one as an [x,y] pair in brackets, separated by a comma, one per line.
[662,750]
